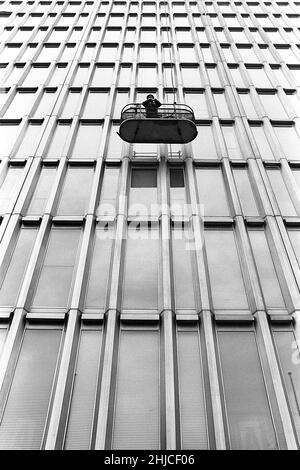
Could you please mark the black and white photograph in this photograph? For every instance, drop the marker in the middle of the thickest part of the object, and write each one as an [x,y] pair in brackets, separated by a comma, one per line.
[149,228]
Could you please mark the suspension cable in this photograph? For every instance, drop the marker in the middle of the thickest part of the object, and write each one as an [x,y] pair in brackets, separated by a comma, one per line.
[171,56]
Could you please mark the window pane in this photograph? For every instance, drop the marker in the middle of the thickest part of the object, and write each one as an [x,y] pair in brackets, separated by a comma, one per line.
[109,191]
[9,186]
[143,192]
[228,291]
[42,190]
[25,413]
[58,140]
[20,105]
[266,271]
[212,193]
[262,143]
[87,141]
[198,103]
[80,422]
[281,193]
[245,192]
[56,275]
[12,276]
[99,271]
[182,270]
[231,142]
[177,191]
[30,141]
[136,419]
[295,240]
[191,390]
[140,289]
[76,191]
[204,145]
[95,106]
[103,76]
[289,141]
[289,361]
[71,104]
[249,419]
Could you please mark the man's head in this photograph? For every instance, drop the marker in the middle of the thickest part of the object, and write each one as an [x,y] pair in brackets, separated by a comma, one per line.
[150,97]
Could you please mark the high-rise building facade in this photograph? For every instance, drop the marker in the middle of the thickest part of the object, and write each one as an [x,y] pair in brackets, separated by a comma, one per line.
[149,294]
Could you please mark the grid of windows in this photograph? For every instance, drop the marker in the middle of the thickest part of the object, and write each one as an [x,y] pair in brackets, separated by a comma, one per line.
[134,268]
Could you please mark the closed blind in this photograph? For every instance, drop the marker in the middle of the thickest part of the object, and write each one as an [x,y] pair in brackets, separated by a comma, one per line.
[191,392]
[248,414]
[25,413]
[136,420]
[84,391]
[289,356]
[12,280]
[3,332]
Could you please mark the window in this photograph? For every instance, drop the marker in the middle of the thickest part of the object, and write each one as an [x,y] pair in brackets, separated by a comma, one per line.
[249,419]
[81,413]
[21,104]
[222,106]
[109,190]
[262,143]
[266,271]
[13,270]
[140,285]
[87,141]
[231,142]
[191,76]
[143,192]
[193,422]
[36,76]
[177,191]
[124,75]
[249,108]
[9,187]
[212,192]
[54,284]
[136,417]
[31,138]
[8,136]
[121,100]
[245,192]
[295,241]
[75,201]
[289,141]
[146,76]
[46,104]
[281,193]
[288,353]
[108,53]
[273,107]
[197,102]
[226,279]
[183,274]
[99,271]
[204,144]
[147,53]
[81,75]
[102,76]
[24,419]
[42,190]
[96,104]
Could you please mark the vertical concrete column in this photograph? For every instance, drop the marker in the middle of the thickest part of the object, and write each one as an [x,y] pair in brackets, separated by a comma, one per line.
[111,326]
[167,316]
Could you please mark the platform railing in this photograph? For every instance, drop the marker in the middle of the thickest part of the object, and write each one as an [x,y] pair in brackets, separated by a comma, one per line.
[165,111]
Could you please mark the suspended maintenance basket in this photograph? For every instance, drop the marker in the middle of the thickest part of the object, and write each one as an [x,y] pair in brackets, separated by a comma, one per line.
[168,124]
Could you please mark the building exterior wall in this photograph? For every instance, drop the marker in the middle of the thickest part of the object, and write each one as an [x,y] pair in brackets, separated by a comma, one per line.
[149,294]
